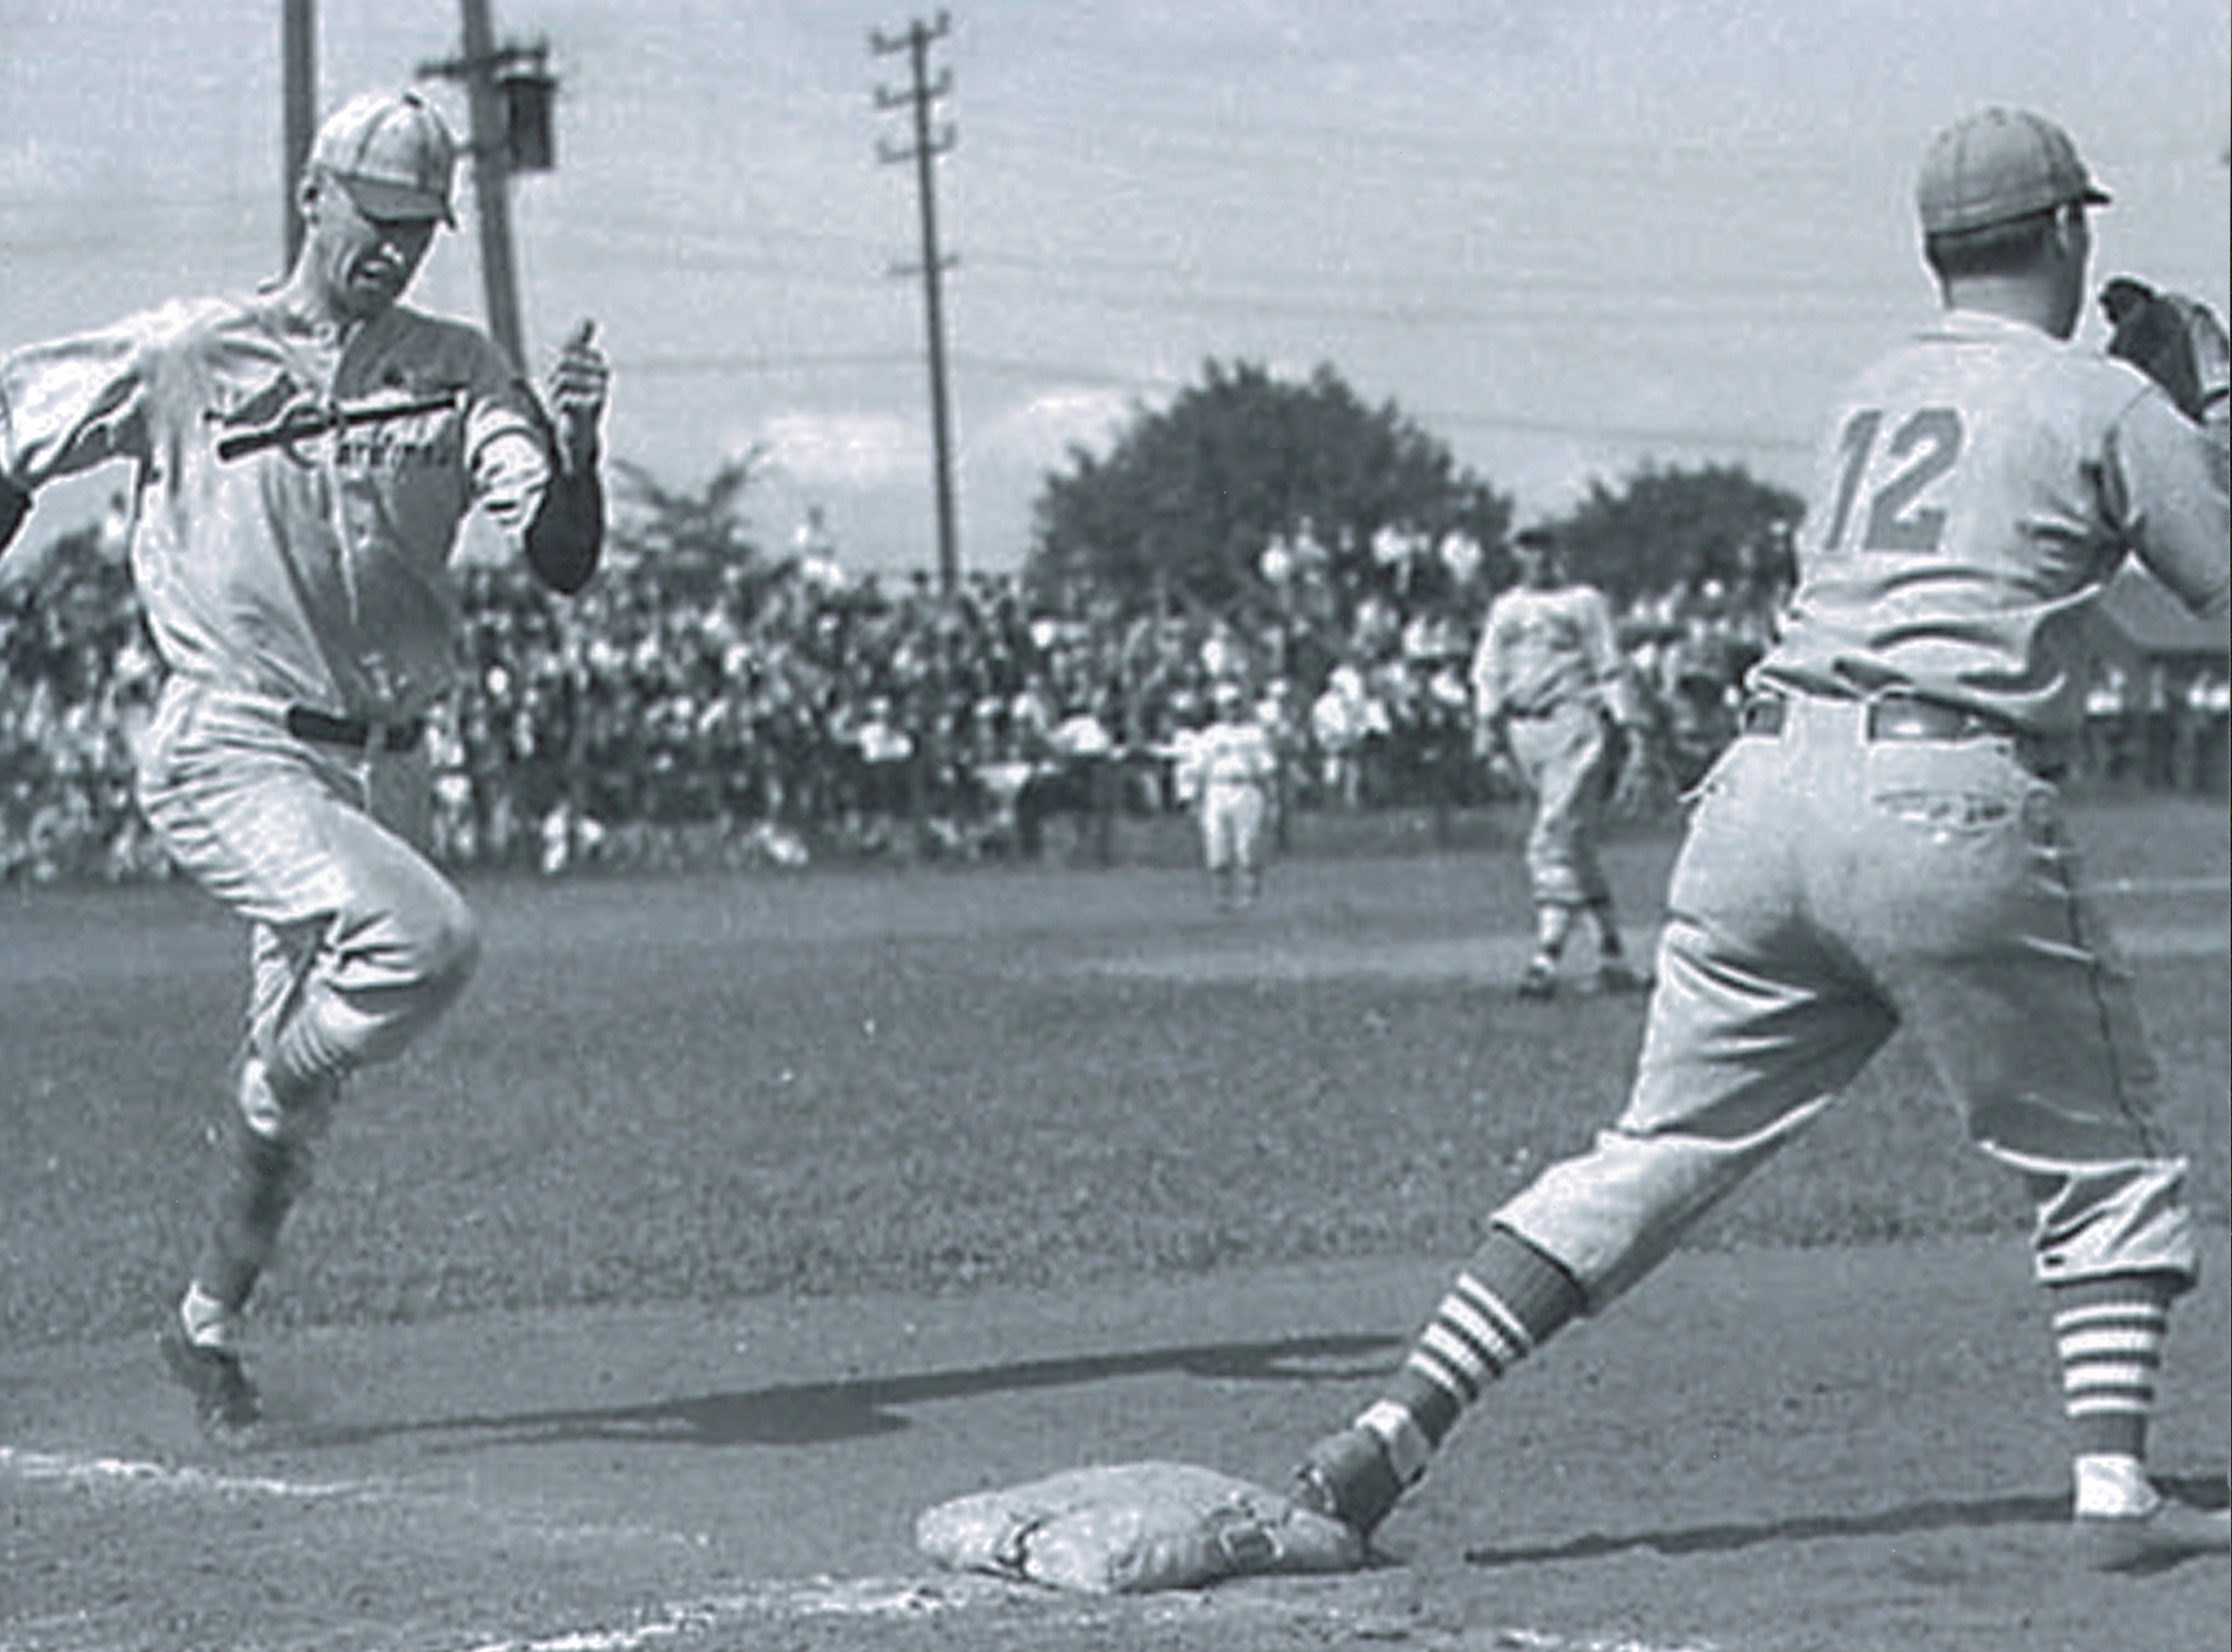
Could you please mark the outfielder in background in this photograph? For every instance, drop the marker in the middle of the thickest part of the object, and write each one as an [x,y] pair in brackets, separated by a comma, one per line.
[304,456]
[1549,683]
[1228,770]
[1883,845]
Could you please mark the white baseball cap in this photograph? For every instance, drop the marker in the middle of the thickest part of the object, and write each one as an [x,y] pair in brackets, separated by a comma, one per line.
[393,153]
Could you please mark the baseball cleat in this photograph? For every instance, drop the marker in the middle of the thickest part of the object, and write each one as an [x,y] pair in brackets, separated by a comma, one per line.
[1540,983]
[226,1404]
[2167,1533]
[1615,976]
[1347,1476]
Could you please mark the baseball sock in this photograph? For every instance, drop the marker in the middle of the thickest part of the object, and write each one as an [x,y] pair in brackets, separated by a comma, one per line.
[257,1185]
[1609,946]
[1554,922]
[2109,1333]
[1507,1301]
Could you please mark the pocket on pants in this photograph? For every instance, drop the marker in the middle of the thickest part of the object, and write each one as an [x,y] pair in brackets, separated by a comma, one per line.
[1945,858]
[1953,790]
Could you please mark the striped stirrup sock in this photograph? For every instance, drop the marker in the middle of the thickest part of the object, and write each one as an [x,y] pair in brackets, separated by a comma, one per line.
[2110,1334]
[1504,1305]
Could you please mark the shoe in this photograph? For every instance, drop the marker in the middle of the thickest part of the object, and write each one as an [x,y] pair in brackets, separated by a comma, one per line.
[1346,1477]
[1613,976]
[2169,1533]
[1540,983]
[226,1404]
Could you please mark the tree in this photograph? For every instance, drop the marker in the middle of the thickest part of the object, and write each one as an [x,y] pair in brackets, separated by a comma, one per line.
[1191,496]
[1667,528]
[692,547]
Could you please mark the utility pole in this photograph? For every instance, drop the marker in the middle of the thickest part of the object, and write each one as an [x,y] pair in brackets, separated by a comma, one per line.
[298,56]
[508,95]
[924,152]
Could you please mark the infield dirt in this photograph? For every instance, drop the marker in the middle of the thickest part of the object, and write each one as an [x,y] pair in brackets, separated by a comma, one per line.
[1842,1447]
[1850,1450]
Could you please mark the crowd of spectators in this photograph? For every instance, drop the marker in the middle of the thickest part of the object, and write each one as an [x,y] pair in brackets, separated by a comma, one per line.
[773,714]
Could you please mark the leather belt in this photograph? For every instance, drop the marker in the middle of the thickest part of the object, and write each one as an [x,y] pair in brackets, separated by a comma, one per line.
[1911,717]
[305,722]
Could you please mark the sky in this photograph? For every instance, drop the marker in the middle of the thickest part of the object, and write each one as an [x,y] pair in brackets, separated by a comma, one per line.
[1568,239]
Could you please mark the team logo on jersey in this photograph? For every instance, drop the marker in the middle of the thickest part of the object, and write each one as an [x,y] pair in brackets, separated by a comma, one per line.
[288,416]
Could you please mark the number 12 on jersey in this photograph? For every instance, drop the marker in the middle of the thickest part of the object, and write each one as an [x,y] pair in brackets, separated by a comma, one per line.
[1897,473]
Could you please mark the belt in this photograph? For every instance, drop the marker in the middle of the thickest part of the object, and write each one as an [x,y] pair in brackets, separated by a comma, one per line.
[305,722]
[1911,716]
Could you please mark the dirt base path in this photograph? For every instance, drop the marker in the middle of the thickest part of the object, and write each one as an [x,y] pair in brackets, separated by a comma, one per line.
[1846,1451]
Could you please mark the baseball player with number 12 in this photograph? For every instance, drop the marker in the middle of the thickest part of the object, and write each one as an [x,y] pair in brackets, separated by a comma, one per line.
[303,457]
[1884,846]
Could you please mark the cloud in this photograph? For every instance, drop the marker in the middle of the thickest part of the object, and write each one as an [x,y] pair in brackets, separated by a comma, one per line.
[1044,430]
[848,450]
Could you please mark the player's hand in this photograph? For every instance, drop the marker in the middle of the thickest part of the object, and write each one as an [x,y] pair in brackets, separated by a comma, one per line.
[1487,737]
[1644,786]
[2176,341]
[579,386]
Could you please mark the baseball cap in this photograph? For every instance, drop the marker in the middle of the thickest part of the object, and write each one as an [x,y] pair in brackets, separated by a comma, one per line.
[1999,164]
[393,153]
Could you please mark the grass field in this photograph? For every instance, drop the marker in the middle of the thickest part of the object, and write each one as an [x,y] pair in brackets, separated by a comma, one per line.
[731,1221]
[927,1080]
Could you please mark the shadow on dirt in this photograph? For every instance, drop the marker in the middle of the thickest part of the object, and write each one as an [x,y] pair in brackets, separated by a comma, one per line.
[813,1413]
[1935,1515]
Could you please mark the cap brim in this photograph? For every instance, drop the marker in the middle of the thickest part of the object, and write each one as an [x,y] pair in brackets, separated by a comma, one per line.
[396,201]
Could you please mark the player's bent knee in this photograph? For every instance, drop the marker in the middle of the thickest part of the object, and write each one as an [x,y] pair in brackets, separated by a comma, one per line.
[448,954]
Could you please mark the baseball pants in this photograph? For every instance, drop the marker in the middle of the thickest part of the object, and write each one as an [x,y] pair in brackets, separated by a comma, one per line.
[354,932]
[1561,756]
[1832,888]
[1232,827]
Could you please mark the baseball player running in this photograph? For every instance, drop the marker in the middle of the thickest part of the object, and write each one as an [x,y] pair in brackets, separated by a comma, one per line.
[1549,680]
[1227,768]
[303,457]
[1884,844]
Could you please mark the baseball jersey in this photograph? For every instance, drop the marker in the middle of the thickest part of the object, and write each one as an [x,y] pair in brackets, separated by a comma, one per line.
[1231,753]
[1540,649]
[1979,488]
[313,569]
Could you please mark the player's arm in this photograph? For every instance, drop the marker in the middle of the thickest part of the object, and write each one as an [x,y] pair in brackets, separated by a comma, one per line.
[566,538]
[2171,477]
[68,406]
[1487,678]
[1609,670]
[1263,755]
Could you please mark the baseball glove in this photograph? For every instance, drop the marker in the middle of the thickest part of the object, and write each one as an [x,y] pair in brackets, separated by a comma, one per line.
[1133,1528]
[2175,340]
[1643,786]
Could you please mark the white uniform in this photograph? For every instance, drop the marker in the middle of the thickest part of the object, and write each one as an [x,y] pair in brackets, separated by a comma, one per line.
[299,596]
[1548,666]
[1231,766]
[1886,846]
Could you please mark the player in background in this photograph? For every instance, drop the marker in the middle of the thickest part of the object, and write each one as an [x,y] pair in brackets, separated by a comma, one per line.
[1884,846]
[303,457]
[1549,683]
[1227,770]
